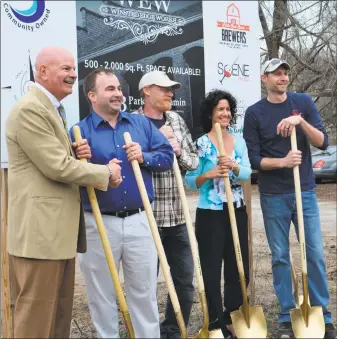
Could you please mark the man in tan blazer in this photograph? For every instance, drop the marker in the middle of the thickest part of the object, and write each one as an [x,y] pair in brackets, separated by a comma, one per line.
[45,217]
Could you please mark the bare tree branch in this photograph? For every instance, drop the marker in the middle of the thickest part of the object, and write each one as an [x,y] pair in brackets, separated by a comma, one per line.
[310,82]
[293,53]
[305,9]
[304,33]
[294,21]
[264,24]
[326,94]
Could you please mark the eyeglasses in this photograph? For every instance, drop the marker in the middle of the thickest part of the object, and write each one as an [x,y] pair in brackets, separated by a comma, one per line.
[166,89]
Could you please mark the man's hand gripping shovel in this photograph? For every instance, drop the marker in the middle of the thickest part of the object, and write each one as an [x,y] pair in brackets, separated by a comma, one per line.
[307,321]
[107,248]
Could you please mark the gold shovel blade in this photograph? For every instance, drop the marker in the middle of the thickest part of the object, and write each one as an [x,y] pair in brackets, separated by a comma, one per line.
[300,301]
[216,333]
[257,322]
[210,334]
[203,333]
[316,325]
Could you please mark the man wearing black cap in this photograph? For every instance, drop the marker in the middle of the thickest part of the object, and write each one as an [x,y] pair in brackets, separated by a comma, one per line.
[267,129]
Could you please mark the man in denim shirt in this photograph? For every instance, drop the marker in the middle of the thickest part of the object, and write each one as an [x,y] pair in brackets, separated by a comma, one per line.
[267,129]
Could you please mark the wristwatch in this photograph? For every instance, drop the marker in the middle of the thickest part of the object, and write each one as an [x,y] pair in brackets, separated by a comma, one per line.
[110,171]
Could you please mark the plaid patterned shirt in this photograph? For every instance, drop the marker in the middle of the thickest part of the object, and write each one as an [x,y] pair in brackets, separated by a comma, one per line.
[167,208]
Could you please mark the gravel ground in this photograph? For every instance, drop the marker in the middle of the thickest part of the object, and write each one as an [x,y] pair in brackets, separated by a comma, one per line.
[264,292]
[325,191]
[264,295]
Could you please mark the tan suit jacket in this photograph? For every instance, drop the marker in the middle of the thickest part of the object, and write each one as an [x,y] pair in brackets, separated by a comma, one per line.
[45,216]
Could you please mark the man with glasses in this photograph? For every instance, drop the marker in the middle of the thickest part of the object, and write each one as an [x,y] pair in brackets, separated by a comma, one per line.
[267,129]
[157,90]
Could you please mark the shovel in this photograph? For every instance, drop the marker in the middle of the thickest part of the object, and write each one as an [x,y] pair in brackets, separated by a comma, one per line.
[203,332]
[107,248]
[156,237]
[298,298]
[307,322]
[248,322]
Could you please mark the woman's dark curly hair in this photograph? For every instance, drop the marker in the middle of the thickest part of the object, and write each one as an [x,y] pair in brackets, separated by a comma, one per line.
[210,102]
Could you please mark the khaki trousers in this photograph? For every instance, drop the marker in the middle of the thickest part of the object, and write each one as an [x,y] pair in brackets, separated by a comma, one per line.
[42,292]
[132,246]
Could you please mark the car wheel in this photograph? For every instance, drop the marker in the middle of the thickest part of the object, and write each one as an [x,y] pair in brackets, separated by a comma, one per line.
[318,181]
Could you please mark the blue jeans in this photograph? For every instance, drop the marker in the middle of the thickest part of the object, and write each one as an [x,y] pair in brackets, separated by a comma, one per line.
[278,212]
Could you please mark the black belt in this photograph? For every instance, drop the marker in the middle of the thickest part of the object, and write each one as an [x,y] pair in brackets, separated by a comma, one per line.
[124,214]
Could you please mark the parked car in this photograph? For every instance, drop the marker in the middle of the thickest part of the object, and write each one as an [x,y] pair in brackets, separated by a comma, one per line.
[325,164]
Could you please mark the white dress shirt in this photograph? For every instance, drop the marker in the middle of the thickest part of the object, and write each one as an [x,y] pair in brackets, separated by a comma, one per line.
[52,98]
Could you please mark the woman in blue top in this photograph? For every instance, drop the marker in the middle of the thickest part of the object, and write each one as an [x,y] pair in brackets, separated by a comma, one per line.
[212,225]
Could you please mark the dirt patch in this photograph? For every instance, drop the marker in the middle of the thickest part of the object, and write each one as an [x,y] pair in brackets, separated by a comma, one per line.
[325,191]
[264,292]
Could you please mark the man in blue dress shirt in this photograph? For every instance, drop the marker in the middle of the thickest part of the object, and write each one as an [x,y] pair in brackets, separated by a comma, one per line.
[122,209]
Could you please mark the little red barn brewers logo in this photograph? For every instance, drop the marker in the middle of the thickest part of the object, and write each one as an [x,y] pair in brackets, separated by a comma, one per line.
[296,112]
[233,32]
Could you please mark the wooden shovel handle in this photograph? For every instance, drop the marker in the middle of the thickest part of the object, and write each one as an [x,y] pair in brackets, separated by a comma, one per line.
[156,237]
[301,233]
[107,247]
[189,226]
[192,238]
[294,279]
[232,218]
[6,268]
[299,207]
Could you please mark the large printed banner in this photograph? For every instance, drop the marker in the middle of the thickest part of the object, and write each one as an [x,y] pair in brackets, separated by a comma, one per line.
[135,37]
[27,27]
[202,44]
[232,51]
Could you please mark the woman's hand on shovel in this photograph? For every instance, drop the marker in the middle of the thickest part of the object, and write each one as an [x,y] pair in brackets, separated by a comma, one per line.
[218,171]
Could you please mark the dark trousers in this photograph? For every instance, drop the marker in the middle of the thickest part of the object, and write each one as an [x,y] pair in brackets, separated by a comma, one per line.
[214,235]
[179,256]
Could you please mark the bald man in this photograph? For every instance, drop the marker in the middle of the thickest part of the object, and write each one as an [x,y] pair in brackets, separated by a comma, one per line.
[45,218]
